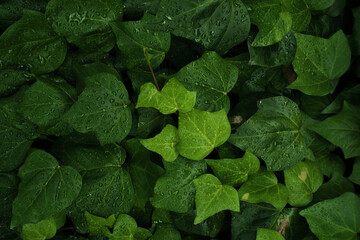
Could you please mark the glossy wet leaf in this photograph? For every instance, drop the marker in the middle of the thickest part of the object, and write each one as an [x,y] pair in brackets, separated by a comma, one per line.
[302,181]
[217,24]
[175,190]
[268,234]
[212,197]
[45,229]
[133,37]
[45,188]
[264,187]
[319,63]
[164,143]
[355,174]
[32,42]
[200,132]
[336,218]
[11,79]
[125,228]
[102,108]
[275,133]
[98,225]
[212,78]
[233,172]
[342,130]
[173,97]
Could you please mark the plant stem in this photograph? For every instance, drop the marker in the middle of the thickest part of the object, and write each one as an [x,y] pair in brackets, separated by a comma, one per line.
[151,69]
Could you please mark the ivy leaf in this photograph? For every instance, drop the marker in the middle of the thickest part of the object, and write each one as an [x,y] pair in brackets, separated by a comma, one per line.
[264,187]
[44,229]
[275,133]
[342,130]
[98,225]
[32,42]
[302,181]
[218,24]
[233,172]
[175,190]
[212,78]
[212,197]
[355,174]
[133,37]
[85,23]
[102,108]
[336,219]
[268,234]
[164,143]
[45,189]
[200,132]
[173,97]
[319,63]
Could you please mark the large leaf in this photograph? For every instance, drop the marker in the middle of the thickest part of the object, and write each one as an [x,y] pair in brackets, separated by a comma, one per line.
[102,108]
[342,130]
[212,197]
[44,229]
[175,190]
[319,63]
[212,78]
[217,24]
[336,219]
[133,37]
[45,188]
[85,23]
[32,42]
[200,132]
[275,133]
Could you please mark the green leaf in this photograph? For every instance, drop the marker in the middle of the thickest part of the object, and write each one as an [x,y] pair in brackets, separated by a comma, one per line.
[164,143]
[336,219]
[268,234]
[319,4]
[11,79]
[85,23]
[99,226]
[165,232]
[264,187]
[44,229]
[173,97]
[125,228]
[175,190]
[133,37]
[355,174]
[32,42]
[200,132]
[151,121]
[212,197]
[233,172]
[319,63]
[102,108]
[302,181]
[275,133]
[217,24]
[356,32]
[212,78]
[45,188]
[8,191]
[342,130]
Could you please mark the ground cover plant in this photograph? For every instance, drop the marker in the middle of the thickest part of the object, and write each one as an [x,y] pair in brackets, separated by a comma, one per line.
[191,119]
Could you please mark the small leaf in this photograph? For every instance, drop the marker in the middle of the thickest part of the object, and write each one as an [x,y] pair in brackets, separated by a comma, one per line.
[212,197]
[200,132]
[98,225]
[125,228]
[44,229]
[268,234]
[164,143]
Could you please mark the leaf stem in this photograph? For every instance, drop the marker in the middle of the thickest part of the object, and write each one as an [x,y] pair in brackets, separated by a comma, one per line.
[151,69]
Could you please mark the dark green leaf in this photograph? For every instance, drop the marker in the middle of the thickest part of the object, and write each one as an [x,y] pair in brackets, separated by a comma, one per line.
[355,175]
[11,79]
[8,191]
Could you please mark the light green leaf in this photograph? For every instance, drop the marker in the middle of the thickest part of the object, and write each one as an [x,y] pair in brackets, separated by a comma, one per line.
[102,108]
[319,63]
[302,181]
[355,174]
[164,143]
[212,78]
[217,24]
[342,130]
[264,187]
[85,23]
[175,190]
[200,132]
[133,37]
[173,97]
[32,42]
[42,230]
[45,188]
[98,225]
[11,79]
[125,228]
[268,234]
[233,172]
[336,219]
[212,197]
[275,133]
